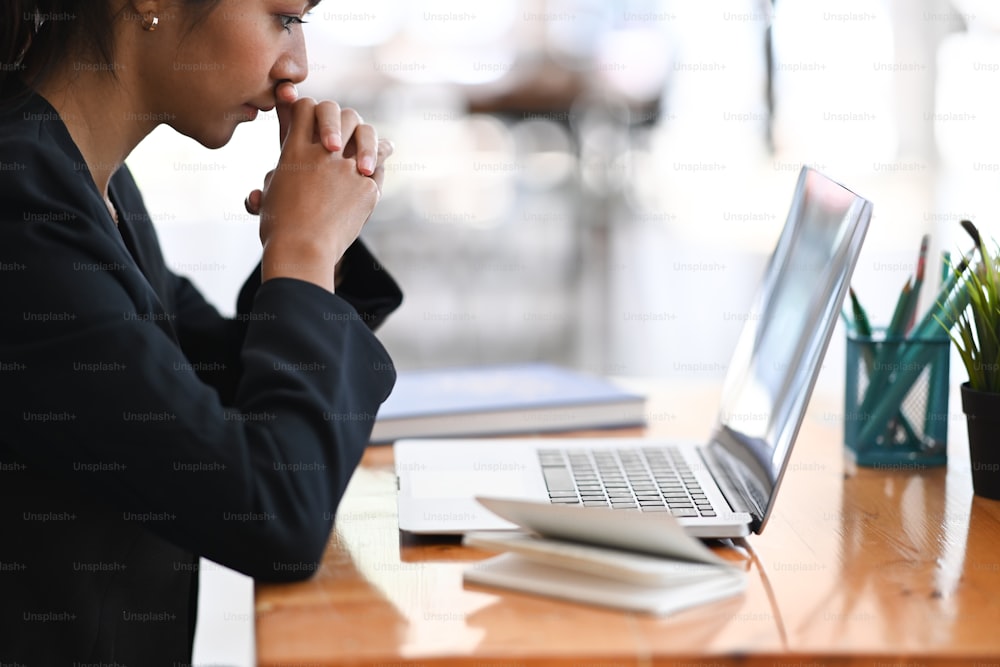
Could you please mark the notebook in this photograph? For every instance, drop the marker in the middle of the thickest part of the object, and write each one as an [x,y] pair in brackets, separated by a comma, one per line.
[728,483]
[503,399]
[640,562]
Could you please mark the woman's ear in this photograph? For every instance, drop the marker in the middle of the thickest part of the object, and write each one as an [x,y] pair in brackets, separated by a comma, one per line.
[146,13]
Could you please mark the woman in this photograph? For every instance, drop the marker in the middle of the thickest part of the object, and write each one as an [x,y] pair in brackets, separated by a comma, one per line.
[141,430]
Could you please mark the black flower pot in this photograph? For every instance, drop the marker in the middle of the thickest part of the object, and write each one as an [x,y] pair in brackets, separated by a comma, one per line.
[982,413]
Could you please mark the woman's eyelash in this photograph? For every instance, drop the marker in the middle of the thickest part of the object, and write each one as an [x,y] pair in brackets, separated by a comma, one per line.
[287,21]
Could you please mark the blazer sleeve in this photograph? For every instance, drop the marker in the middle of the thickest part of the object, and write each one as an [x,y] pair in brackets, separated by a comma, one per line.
[212,342]
[104,397]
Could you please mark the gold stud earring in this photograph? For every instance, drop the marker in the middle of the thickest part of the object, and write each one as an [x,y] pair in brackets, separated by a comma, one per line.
[149,22]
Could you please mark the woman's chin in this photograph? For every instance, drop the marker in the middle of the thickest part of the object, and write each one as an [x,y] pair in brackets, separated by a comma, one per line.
[211,137]
[216,139]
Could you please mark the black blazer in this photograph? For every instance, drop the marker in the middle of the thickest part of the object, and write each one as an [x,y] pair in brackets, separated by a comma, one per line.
[139,429]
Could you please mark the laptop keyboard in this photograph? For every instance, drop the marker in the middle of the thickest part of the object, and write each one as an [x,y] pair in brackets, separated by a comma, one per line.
[648,479]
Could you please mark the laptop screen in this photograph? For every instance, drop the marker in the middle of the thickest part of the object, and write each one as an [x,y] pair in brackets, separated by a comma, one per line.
[780,350]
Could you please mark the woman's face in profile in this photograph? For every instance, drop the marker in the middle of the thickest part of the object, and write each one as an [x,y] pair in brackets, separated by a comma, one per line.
[203,73]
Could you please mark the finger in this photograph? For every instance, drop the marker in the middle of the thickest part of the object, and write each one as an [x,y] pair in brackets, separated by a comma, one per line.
[385,149]
[349,121]
[252,202]
[302,123]
[379,176]
[328,120]
[366,144]
[284,121]
[286,94]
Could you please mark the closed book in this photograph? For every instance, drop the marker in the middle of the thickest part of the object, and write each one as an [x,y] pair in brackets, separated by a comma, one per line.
[501,400]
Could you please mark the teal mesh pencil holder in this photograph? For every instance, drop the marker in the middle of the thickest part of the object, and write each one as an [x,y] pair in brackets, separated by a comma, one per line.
[909,433]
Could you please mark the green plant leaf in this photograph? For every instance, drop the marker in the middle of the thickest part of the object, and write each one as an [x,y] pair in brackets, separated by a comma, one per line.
[976,330]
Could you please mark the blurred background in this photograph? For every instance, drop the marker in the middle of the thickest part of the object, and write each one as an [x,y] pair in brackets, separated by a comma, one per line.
[591,181]
[598,183]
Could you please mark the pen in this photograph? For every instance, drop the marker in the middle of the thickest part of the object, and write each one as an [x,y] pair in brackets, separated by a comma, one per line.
[877,364]
[888,352]
[886,356]
[863,329]
[902,312]
[935,416]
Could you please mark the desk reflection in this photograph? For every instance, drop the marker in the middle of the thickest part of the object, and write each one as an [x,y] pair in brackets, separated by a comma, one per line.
[903,551]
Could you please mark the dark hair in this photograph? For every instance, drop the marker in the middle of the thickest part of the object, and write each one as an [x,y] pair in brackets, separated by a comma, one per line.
[37,35]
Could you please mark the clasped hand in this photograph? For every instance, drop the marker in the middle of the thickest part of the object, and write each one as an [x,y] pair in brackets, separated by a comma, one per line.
[323,190]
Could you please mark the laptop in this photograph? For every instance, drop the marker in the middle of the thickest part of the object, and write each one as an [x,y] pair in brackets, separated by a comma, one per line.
[721,488]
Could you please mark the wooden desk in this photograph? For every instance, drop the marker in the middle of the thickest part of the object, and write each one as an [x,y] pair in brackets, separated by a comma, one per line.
[856,567]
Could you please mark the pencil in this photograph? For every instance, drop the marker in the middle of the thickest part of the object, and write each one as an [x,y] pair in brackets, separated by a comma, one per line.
[952,299]
[936,413]
[860,316]
[901,315]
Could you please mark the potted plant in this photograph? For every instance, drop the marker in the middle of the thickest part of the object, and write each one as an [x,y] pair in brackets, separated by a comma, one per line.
[975,331]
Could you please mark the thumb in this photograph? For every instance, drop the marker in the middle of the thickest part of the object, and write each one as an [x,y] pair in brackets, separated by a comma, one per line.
[286,94]
[252,202]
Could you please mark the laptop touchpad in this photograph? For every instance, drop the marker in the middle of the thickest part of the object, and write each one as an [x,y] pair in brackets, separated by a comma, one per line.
[468,484]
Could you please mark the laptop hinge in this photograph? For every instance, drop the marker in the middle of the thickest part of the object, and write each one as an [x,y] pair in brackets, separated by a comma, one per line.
[735,492]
